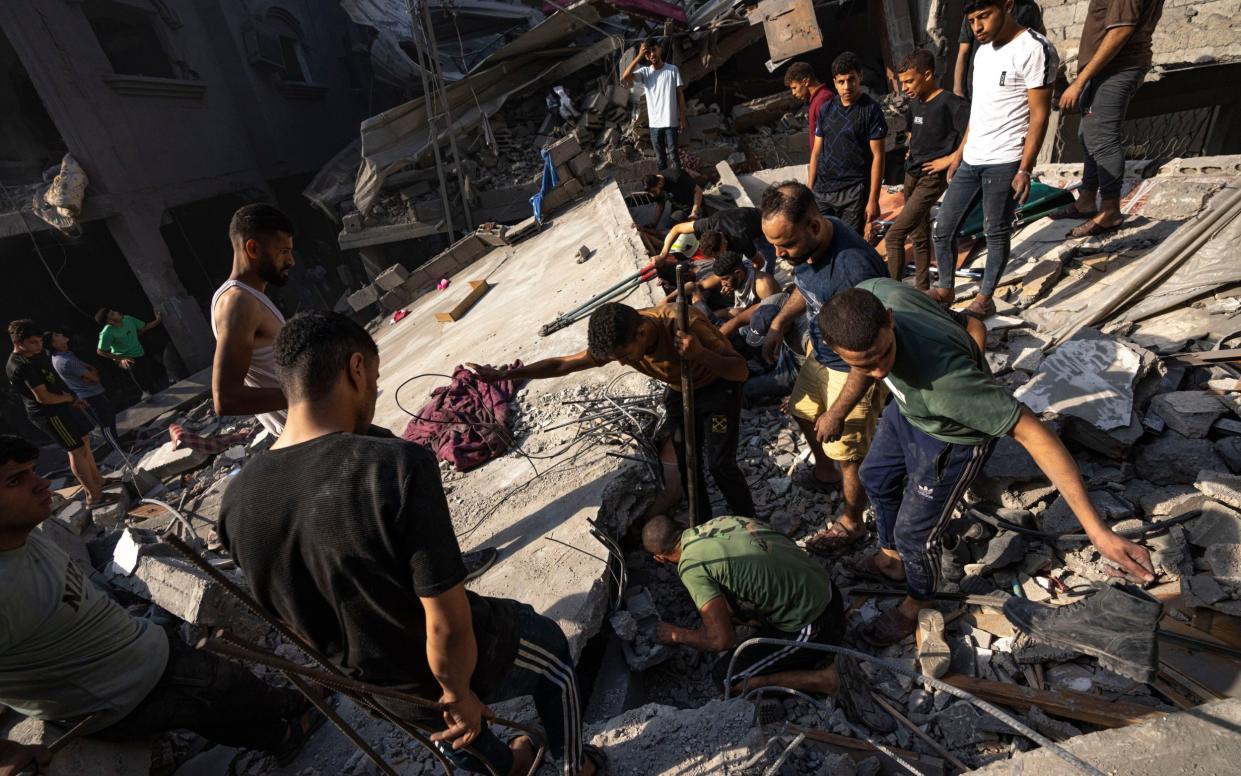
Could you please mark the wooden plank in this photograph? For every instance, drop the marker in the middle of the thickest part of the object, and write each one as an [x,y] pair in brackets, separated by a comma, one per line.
[1166,687]
[1221,626]
[1207,674]
[1069,704]
[477,289]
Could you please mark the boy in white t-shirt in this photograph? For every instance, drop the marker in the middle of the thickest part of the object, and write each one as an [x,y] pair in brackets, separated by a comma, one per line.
[665,100]
[1014,69]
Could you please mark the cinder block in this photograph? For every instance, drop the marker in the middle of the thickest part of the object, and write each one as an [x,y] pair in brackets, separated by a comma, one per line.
[353,223]
[360,300]
[165,461]
[393,300]
[564,149]
[563,173]
[580,164]
[391,277]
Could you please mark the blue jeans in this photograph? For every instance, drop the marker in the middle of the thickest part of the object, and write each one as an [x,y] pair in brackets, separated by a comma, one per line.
[667,147]
[914,482]
[994,184]
[544,670]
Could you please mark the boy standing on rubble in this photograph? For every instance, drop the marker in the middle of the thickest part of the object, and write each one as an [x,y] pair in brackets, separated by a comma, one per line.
[649,342]
[665,100]
[805,86]
[937,123]
[935,437]
[846,163]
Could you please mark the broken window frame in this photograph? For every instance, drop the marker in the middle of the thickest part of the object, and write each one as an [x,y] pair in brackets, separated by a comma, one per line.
[138,15]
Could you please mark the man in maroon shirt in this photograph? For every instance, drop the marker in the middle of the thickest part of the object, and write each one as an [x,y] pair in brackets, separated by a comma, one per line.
[802,83]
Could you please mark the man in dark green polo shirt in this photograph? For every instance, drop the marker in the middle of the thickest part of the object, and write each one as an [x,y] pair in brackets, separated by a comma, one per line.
[935,437]
[737,569]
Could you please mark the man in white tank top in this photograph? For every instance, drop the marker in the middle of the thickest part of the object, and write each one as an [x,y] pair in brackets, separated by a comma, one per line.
[244,320]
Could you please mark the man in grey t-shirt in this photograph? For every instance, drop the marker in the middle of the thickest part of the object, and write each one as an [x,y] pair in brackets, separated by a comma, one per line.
[69,653]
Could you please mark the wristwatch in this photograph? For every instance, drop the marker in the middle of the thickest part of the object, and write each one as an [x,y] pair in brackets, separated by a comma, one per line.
[1024,172]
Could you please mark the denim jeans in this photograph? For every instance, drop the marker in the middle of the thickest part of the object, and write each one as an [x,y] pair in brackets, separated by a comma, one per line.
[543,669]
[1104,103]
[994,184]
[914,482]
[667,147]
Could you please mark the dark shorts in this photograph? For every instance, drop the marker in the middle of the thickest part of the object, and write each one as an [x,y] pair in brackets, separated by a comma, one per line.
[847,204]
[65,424]
[761,659]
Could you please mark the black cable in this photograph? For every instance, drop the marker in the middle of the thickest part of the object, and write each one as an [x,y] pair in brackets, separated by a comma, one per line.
[1130,533]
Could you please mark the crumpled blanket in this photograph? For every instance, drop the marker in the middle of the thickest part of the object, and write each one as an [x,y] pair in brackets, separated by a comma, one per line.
[211,445]
[466,423]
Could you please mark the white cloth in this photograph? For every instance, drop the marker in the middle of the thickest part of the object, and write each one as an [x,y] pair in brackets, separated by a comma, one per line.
[1000,117]
[67,650]
[262,371]
[746,295]
[662,109]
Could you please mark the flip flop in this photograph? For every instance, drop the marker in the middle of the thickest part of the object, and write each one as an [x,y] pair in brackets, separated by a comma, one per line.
[868,568]
[891,627]
[478,561]
[1070,211]
[833,539]
[1093,229]
[804,478]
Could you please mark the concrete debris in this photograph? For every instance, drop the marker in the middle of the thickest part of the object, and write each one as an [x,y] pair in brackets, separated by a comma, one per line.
[1229,448]
[1221,487]
[1172,459]
[1090,377]
[1217,524]
[75,516]
[718,737]
[1189,413]
[165,461]
[1225,562]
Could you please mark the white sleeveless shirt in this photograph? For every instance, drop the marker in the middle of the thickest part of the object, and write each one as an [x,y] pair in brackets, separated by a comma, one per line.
[262,372]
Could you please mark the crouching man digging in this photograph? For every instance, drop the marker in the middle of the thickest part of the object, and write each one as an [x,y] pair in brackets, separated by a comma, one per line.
[343,531]
[935,437]
[739,570]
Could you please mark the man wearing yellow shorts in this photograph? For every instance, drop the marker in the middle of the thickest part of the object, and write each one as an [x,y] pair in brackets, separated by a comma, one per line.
[828,258]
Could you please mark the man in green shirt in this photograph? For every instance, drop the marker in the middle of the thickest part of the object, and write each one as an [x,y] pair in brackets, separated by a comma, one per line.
[737,569]
[935,437]
[118,340]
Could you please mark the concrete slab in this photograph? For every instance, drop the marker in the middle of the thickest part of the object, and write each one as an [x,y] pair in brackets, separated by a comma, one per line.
[1090,377]
[81,755]
[756,183]
[193,388]
[1199,740]
[548,558]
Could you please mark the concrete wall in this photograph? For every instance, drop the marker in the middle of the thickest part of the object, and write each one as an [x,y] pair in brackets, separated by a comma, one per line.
[222,125]
[1189,32]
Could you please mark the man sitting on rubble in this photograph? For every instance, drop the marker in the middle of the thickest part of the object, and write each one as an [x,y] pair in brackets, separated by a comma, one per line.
[935,438]
[737,229]
[677,187]
[739,571]
[733,287]
[69,653]
[648,341]
[343,532]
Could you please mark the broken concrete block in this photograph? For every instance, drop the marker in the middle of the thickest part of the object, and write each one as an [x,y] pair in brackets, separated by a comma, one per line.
[564,149]
[1220,486]
[1217,524]
[360,300]
[620,95]
[1174,460]
[353,223]
[1225,562]
[83,754]
[173,584]
[959,726]
[1189,413]
[1229,448]
[1204,587]
[394,300]
[164,461]
[1041,277]
[1090,377]
[391,277]
[764,110]
[579,164]
[75,516]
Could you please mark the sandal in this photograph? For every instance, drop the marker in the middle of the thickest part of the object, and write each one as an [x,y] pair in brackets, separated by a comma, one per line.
[804,478]
[301,728]
[1094,229]
[833,539]
[868,568]
[891,627]
[1070,211]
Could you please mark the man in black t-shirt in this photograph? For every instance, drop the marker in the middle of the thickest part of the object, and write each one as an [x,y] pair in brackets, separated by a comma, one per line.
[937,123]
[736,229]
[343,532]
[679,188]
[52,406]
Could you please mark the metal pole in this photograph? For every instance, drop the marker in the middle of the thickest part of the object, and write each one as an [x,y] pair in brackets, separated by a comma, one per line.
[429,106]
[438,75]
[687,406]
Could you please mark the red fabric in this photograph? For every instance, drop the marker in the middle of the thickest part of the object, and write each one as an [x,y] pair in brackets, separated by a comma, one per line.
[211,445]
[466,422]
[818,99]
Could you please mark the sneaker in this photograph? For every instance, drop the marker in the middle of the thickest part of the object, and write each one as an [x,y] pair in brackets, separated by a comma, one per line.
[934,655]
[1116,625]
[478,561]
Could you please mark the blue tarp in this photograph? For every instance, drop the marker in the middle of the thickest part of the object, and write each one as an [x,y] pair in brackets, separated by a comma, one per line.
[550,181]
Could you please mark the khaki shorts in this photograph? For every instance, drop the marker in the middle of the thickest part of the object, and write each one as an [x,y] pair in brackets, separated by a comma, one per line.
[816,389]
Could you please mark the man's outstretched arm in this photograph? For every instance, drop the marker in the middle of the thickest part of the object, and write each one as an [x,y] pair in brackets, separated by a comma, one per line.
[556,366]
[685,227]
[236,321]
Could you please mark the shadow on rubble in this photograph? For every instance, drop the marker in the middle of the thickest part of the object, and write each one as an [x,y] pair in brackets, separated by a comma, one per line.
[1132,244]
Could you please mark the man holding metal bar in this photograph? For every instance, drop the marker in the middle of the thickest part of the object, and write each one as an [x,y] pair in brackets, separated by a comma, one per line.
[649,341]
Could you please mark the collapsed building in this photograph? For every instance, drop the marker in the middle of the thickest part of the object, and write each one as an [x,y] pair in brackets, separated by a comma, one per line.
[1112,339]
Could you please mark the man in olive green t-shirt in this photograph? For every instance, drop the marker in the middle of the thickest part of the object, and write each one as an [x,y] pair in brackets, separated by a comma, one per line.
[935,436]
[737,569]
[119,341]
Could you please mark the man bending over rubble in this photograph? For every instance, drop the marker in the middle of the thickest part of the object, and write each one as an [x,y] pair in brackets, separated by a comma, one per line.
[739,570]
[737,229]
[343,532]
[649,342]
[68,652]
[935,438]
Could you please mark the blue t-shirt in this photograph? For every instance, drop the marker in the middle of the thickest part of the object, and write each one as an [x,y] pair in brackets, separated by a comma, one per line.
[71,369]
[844,159]
[849,260]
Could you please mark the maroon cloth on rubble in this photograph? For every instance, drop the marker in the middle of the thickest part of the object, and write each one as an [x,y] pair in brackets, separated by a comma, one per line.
[466,422]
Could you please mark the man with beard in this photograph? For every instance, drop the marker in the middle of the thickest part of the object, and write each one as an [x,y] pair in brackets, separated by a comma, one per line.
[245,321]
